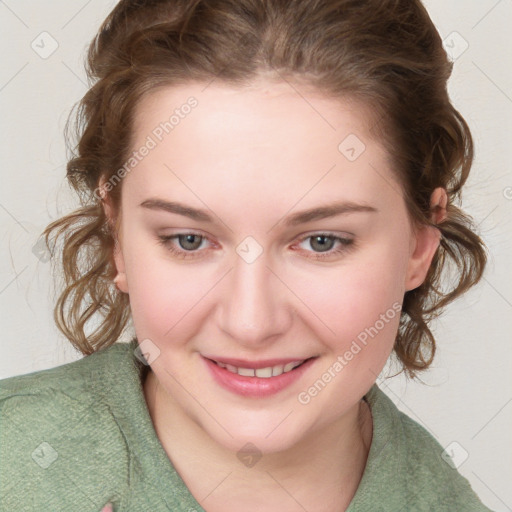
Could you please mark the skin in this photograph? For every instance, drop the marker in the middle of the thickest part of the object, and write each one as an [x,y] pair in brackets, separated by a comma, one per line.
[251,157]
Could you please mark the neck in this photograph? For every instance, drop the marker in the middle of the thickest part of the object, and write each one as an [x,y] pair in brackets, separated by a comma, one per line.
[328,463]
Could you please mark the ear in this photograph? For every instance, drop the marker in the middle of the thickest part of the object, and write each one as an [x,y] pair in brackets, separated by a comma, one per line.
[114,222]
[425,241]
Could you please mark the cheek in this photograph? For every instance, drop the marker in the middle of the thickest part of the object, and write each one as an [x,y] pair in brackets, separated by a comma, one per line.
[163,294]
[361,306]
[359,301]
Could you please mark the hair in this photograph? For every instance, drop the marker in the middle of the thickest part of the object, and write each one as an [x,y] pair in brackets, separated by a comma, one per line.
[385,53]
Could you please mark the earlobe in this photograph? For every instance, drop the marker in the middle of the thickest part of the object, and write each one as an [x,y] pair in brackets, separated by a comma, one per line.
[427,239]
[120,279]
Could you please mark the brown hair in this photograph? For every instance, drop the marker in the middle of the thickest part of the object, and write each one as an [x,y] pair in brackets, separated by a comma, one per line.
[386,53]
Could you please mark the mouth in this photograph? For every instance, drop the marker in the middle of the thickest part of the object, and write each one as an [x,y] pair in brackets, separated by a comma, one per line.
[257,379]
[265,372]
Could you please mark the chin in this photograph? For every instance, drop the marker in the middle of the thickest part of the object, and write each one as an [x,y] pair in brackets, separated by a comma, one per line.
[261,445]
[272,434]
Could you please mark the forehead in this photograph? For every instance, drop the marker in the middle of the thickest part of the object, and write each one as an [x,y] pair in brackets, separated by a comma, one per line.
[262,110]
[268,140]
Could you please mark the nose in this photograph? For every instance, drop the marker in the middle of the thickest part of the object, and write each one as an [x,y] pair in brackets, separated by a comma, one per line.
[255,307]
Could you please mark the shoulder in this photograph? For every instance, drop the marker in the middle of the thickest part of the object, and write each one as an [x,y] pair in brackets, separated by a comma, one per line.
[431,467]
[58,432]
[415,462]
[71,386]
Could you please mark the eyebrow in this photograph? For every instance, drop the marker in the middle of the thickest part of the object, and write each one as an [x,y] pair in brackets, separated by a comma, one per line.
[322,212]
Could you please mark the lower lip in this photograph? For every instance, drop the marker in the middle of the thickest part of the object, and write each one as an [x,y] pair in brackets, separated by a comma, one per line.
[256,387]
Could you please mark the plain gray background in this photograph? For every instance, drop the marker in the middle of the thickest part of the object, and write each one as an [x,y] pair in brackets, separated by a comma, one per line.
[465,400]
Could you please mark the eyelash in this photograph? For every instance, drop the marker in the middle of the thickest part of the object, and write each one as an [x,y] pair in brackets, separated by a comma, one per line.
[345,245]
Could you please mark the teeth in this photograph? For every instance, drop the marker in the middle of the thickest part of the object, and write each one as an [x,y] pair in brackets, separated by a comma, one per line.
[246,372]
[264,373]
[288,367]
[277,370]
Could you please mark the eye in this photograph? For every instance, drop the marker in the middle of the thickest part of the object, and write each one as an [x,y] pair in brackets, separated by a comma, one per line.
[187,244]
[323,243]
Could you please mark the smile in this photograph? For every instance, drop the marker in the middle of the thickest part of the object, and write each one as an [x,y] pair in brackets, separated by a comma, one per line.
[257,380]
[263,373]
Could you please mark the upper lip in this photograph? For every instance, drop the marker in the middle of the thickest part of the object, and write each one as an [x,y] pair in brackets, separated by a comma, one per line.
[242,363]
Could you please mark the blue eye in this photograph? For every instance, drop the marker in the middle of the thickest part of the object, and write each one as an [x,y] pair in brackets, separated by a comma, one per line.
[190,239]
[322,243]
[187,241]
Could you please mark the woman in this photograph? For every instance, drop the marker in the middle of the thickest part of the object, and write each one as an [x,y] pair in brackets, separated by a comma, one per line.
[270,195]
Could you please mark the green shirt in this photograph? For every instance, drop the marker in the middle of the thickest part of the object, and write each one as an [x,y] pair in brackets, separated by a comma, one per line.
[75,437]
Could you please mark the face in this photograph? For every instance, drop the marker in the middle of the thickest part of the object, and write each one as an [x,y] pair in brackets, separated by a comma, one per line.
[229,256]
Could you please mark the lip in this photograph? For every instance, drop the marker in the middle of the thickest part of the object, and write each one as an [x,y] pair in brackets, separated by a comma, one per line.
[256,387]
